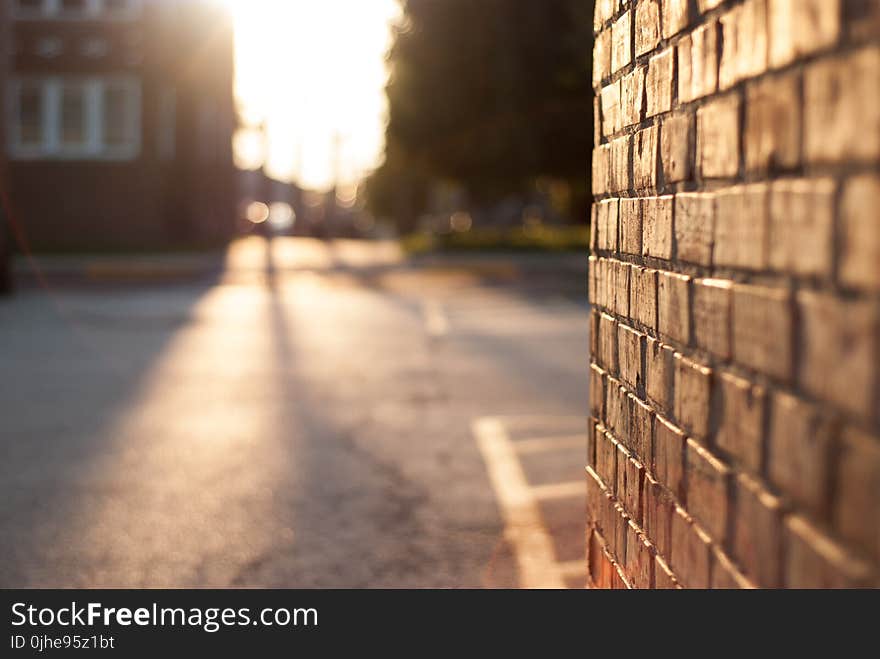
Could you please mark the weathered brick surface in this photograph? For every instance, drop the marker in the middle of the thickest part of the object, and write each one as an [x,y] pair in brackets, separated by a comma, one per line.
[711,314]
[694,227]
[673,306]
[757,543]
[734,438]
[707,490]
[677,147]
[860,233]
[657,231]
[693,391]
[741,421]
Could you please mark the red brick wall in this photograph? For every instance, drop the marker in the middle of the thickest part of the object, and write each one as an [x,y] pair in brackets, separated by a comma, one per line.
[735,282]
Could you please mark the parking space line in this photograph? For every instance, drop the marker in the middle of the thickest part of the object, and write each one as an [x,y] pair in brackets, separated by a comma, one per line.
[545,444]
[552,491]
[523,526]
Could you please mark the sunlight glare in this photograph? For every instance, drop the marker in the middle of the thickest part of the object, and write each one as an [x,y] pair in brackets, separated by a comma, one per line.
[312,73]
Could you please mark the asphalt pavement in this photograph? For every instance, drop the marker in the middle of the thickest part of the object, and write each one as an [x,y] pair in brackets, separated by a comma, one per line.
[295,414]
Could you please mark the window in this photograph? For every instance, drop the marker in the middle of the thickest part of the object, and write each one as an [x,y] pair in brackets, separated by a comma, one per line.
[167,132]
[77,9]
[75,118]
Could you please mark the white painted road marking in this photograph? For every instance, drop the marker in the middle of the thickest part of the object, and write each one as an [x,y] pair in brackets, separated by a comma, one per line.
[523,526]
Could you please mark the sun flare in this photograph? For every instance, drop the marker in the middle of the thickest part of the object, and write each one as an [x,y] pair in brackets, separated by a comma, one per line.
[312,73]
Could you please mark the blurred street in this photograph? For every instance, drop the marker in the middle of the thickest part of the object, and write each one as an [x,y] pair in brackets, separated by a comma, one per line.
[306,414]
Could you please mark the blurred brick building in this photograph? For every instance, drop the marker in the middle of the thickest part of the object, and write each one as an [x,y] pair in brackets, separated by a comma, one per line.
[735,281]
[119,123]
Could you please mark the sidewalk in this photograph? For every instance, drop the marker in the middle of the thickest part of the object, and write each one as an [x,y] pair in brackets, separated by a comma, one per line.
[288,254]
[148,267]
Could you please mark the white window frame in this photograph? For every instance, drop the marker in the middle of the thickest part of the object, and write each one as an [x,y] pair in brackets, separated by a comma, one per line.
[93,10]
[94,147]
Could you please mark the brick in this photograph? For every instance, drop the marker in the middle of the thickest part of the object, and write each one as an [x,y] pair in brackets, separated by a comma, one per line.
[641,430]
[658,83]
[631,486]
[622,492]
[619,537]
[673,306]
[643,296]
[594,324]
[630,346]
[707,490]
[621,42]
[725,575]
[606,461]
[711,300]
[745,44]
[659,371]
[663,577]
[762,330]
[594,558]
[620,281]
[632,97]
[601,169]
[594,232]
[657,229]
[677,148]
[607,224]
[840,352]
[595,495]
[591,441]
[647,26]
[603,12]
[801,226]
[698,63]
[857,504]
[694,226]
[742,227]
[842,108]
[617,408]
[601,56]
[799,452]
[612,108]
[741,421]
[619,179]
[718,137]
[639,559]
[607,518]
[757,543]
[631,226]
[598,290]
[801,27]
[773,124]
[693,396]
[608,343]
[860,233]
[676,16]
[691,551]
[658,515]
[669,443]
[645,148]
[597,392]
[813,560]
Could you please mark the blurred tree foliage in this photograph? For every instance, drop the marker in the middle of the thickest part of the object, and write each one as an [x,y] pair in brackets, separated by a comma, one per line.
[489,94]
